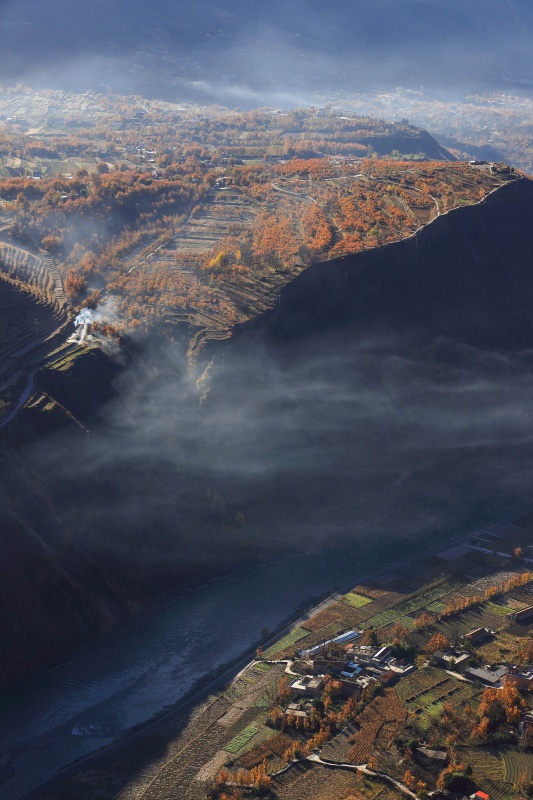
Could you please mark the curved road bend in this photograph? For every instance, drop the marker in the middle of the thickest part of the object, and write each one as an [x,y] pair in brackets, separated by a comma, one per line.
[22,399]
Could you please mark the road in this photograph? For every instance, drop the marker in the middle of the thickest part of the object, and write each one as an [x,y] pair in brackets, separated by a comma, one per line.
[314,758]
[22,399]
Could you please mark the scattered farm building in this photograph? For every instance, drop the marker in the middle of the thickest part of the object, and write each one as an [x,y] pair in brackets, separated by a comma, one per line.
[477,635]
[526,725]
[526,615]
[343,638]
[521,677]
[307,686]
[354,687]
[295,710]
[432,755]
[452,659]
[490,676]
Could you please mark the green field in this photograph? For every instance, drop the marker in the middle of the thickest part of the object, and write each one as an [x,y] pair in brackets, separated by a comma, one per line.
[357,600]
[291,638]
[262,667]
[242,739]
[420,601]
[497,608]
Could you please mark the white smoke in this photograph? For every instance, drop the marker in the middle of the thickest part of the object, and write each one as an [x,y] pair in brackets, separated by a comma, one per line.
[105,313]
[86,316]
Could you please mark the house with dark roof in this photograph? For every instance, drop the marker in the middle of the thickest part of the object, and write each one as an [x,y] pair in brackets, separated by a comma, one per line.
[526,615]
[456,660]
[520,677]
[477,635]
[432,755]
[490,676]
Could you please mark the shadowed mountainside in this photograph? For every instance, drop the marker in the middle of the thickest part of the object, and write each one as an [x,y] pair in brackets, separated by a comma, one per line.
[388,395]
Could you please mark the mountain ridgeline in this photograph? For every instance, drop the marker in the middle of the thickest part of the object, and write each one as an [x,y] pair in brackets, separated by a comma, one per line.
[388,394]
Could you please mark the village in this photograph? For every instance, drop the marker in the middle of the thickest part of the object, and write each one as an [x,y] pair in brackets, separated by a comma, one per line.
[415,683]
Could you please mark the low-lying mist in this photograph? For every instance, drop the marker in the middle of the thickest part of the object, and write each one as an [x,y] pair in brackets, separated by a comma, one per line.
[263,455]
[279,54]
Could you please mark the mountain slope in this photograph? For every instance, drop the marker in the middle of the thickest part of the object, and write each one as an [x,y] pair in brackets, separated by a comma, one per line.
[387,395]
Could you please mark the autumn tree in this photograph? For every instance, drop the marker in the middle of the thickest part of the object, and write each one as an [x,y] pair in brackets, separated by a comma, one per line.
[437,642]
[51,243]
[370,638]
[284,691]
[408,778]
[74,283]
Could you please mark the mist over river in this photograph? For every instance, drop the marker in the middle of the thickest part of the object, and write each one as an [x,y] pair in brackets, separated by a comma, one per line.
[53,719]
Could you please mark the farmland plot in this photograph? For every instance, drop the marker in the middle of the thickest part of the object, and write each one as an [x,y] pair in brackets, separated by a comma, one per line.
[464,621]
[357,600]
[381,711]
[323,618]
[516,764]
[321,783]
[424,691]
[274,748]
[372,592]
[488,771]
[290,639]
[241,740]
[420,601]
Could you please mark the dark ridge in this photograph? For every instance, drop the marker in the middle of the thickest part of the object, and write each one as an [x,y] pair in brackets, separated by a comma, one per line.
[388,396]
[468,276]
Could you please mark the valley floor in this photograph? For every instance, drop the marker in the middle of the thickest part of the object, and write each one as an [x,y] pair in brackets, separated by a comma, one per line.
[250,731]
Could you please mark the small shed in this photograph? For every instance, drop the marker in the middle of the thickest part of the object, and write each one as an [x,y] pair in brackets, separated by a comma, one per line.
[477,635]
[432,755]
[525,615]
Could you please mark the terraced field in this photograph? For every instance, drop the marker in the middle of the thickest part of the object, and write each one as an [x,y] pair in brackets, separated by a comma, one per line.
[381,712]
[425,691]
[37,271]
[291,638]
[464,621]
[516,765]
[305,782]
[421,601]
[30,328]
[33,306]
[488,771]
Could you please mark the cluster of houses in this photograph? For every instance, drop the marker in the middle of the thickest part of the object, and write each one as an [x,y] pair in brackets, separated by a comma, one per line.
[355,666]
